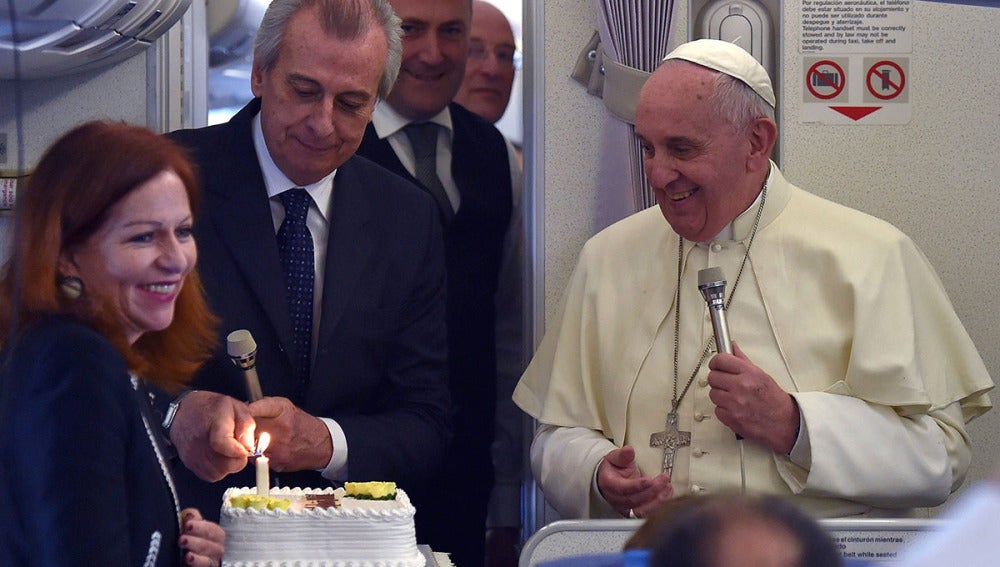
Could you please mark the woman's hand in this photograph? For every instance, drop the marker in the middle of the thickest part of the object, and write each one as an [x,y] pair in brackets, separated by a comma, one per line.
[202,542]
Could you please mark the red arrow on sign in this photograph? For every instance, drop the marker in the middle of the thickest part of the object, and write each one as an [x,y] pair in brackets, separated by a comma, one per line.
[855,112]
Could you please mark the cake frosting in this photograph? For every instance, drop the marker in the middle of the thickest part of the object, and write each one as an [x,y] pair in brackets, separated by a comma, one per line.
[357,533]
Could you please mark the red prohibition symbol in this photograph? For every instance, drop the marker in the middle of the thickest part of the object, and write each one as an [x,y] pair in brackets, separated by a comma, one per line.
[888,87]
[835,80]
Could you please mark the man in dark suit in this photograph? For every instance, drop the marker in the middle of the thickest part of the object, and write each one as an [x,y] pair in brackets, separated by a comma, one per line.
[464,162]
[351,347]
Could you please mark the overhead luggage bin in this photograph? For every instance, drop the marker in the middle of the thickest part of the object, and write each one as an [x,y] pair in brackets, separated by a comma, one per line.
[61,37]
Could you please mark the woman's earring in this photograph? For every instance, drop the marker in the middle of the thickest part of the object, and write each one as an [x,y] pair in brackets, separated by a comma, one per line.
[71,287]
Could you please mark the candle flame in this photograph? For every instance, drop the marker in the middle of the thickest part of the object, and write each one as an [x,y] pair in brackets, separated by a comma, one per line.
[262,442]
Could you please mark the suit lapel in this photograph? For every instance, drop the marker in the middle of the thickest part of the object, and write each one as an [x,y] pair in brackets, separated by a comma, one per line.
[242,213]
[349,248]
[381,152]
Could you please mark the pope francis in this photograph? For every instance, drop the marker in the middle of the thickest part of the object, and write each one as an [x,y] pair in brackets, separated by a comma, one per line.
[851,378]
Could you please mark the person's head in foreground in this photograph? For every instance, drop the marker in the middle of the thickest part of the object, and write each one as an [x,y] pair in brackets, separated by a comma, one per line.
[705,119]
[736,531]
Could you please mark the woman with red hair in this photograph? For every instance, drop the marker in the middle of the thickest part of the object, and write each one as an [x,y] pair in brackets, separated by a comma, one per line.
[99,301]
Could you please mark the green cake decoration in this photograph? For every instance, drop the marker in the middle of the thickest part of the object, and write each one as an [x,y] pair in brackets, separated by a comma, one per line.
[371,490]
[259,502]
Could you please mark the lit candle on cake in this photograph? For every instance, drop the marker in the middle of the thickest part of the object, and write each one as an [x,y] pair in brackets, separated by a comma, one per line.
[263,475]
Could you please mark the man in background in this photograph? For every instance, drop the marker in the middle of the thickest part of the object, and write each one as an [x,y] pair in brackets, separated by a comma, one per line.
[334,265]
[489,72]
[466,165]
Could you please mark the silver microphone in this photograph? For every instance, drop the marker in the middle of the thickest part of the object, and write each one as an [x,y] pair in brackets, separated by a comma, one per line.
[712,285]
[242,350]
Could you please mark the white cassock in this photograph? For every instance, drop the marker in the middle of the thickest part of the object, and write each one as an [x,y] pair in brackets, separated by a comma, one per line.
[839,307]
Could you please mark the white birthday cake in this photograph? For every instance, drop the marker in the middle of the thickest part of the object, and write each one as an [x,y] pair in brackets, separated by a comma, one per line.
[320,528]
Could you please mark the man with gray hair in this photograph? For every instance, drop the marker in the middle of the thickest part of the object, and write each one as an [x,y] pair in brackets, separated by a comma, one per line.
[334,265]
[850,379]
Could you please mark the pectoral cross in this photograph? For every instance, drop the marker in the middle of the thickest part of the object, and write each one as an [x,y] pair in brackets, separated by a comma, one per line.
[671,439]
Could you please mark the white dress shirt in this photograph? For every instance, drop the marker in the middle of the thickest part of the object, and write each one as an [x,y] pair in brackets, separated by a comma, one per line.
[319,226]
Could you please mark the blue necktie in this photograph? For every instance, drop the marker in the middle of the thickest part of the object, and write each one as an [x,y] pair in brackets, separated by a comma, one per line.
[295,246]
[423,138]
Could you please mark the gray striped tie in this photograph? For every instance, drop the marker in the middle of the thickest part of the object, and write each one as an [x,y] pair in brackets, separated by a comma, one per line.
[423,138]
